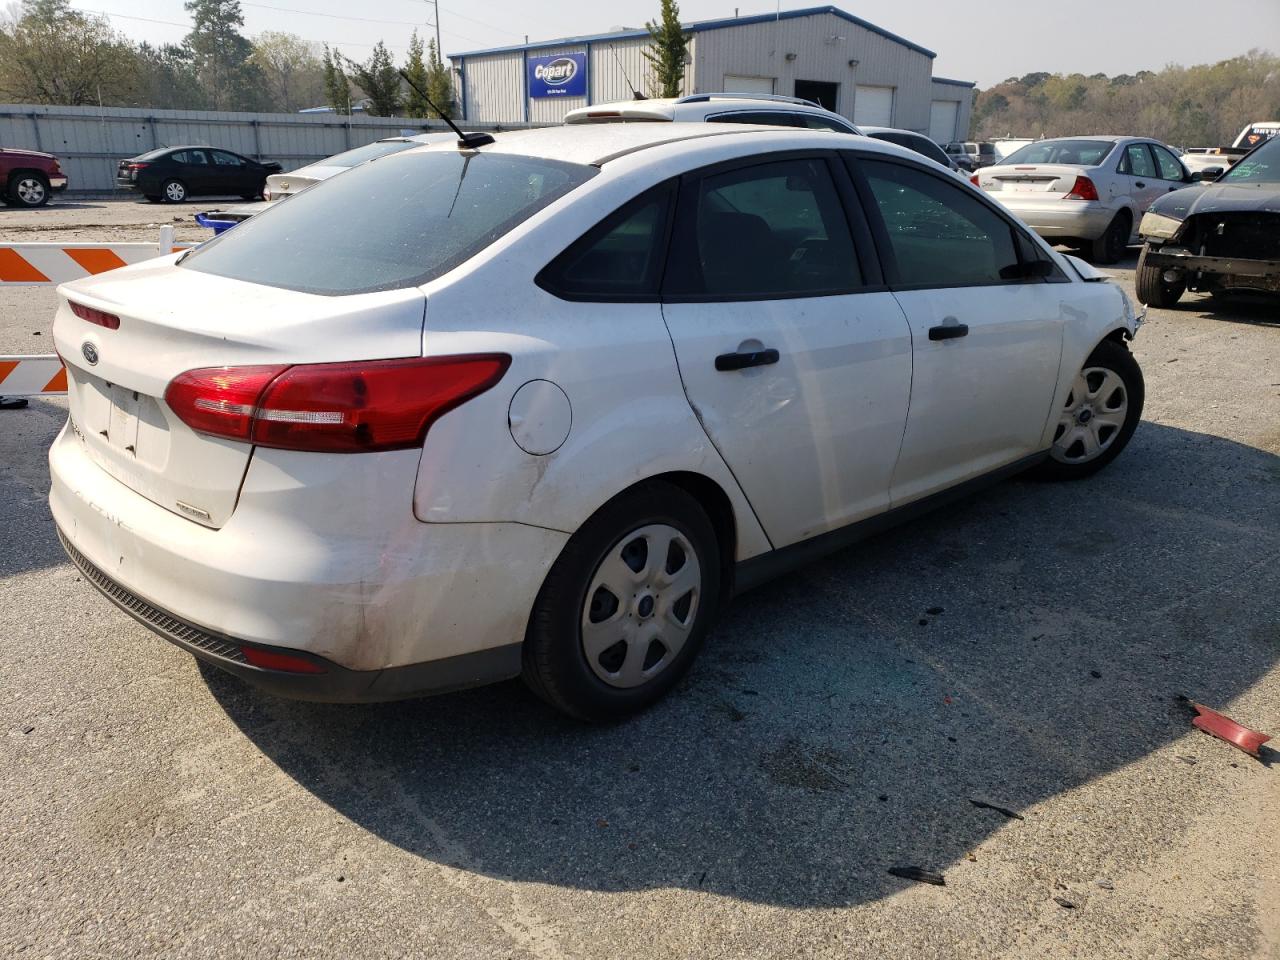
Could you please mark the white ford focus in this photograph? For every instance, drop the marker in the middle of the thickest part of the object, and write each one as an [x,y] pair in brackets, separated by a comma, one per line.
[542,406]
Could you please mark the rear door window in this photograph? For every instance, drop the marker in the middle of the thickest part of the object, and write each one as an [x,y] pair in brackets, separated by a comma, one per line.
[940,235]
[776,118]
[1137,161]
[765,231]
[400,222]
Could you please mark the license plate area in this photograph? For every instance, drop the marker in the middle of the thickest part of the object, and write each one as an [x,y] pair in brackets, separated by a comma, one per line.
[121,426]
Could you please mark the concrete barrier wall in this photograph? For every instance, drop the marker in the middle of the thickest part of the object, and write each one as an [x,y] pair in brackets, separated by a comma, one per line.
[90,141]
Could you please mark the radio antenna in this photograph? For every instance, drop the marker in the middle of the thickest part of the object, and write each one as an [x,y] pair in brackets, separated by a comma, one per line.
[635,94]
[466,141]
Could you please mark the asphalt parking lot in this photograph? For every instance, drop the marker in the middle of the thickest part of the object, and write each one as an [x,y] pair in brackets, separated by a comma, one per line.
[1024,649]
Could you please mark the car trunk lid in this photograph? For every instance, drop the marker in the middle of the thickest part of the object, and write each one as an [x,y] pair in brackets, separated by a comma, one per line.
[1029,178]
[172,320]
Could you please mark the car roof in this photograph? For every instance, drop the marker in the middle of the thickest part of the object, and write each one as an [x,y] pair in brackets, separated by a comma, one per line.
[596,144]
[870,130]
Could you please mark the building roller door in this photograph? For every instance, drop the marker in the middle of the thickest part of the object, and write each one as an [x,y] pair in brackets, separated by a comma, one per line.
[942,120]
[739,84]
[873,106]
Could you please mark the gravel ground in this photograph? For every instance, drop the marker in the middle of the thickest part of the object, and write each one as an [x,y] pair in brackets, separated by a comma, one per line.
[1023,648]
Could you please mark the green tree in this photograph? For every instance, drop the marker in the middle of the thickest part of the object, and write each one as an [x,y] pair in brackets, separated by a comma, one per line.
[51,53]
[379,80]
[221,54]
[439,82]
[415,67]
[166,78]
[668,51]
[337,88]
[293,73]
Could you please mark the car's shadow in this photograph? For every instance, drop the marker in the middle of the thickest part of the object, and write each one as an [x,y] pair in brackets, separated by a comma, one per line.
[1009,649]
[1253,309]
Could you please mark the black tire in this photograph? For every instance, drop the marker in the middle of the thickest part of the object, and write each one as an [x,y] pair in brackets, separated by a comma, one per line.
[555,662]
[1115,357]
[1111,246]
[173,191]
[1150,284]
[28,188]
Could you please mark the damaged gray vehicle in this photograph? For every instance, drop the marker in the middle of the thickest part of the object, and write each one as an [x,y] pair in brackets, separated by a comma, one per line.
[1215,238]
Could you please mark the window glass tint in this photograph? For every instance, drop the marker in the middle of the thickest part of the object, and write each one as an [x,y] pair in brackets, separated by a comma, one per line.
[370,151]
[224,159]
[619,259]
[396,223]
[815,121]
[1260,166]
[196,158]
[775,118]
[1137,161]
[1170,166]
[1085,153]
[941,236]
[772,230]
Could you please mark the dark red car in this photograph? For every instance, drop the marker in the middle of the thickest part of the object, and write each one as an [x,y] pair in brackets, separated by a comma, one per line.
[29,177]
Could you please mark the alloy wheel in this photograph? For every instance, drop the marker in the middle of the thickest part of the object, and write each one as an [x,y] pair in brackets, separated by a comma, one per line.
[641,605]
[175,192]
[31,191]
[1093,416]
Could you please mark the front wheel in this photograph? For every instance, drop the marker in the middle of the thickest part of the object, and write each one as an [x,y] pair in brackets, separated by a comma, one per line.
[626,606]
[28,190]
[1101,412]
[1111,246]
[1150,284]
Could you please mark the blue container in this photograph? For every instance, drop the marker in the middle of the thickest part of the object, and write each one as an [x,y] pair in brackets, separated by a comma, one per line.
[217,226]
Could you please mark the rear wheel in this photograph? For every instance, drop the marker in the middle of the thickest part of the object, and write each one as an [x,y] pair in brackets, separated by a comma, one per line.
[1101,412]
[626,606]
[1111,246]
[174,191]
[1150,284]
[28,189]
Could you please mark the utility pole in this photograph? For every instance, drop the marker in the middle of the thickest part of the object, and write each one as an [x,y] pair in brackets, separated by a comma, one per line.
[439,49]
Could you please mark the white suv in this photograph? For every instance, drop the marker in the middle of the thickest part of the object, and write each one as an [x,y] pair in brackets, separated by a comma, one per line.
[544,405]
[718,108]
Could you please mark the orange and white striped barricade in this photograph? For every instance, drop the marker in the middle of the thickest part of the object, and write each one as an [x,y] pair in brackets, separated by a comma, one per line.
[48,264]
[30,376]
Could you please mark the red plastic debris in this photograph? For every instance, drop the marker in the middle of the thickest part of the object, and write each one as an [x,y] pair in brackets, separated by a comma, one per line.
[1224,728]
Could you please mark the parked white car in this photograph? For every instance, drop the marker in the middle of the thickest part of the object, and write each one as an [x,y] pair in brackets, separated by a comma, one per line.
[1088,192]
[917,142]
[542,407]
[757,108]
[281,185]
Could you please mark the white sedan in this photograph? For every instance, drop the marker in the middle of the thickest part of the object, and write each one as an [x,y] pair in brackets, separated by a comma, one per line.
[1089,192]
[542,407]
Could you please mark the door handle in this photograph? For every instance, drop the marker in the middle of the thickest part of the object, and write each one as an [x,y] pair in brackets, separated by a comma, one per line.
[740,361]
[949,331]
[1139,184]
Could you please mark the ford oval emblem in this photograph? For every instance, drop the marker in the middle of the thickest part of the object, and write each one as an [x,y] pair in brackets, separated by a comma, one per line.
[90,352]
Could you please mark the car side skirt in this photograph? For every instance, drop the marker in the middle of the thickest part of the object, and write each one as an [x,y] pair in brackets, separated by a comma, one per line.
[758,570]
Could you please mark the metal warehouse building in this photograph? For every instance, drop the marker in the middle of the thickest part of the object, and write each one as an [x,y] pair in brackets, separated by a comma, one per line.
[848,65]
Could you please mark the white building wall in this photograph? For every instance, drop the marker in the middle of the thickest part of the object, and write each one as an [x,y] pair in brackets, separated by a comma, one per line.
[494,88]
[610,73]
[822,46]
[942,90]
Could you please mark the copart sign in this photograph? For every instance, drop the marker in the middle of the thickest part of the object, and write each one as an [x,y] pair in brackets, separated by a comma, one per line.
[564,75]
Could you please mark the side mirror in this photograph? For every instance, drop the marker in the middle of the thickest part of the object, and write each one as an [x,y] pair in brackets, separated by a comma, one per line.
[1208,175]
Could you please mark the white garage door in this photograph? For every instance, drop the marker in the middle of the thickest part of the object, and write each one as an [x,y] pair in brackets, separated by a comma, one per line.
[736,84]
[942,120]
[874,106]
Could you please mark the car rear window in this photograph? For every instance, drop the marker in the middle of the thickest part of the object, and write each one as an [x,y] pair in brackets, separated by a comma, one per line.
[1082,153]
[370,151]
[397,223]
[1260,166]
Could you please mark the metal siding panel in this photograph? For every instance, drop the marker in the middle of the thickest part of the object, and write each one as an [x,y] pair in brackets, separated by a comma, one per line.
[495,88]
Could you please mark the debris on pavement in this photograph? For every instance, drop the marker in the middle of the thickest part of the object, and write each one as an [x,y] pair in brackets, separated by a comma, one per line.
[984,805]
[1064,902]
[919,874]
[1224,728]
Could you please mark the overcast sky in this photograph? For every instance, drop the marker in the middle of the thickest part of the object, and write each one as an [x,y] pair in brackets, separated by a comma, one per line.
[982,41]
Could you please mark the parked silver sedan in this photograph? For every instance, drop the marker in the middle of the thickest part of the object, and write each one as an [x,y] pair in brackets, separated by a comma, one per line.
[1087,192]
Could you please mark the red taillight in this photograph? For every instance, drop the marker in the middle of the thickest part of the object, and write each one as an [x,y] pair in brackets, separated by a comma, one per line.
[974,180]
[271,660]
[100,317]
[332,407]
[136,166]
[1082,189]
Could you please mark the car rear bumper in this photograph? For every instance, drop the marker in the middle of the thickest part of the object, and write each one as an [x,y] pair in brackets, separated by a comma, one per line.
[126,184]
[315,565]
[1055,217]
